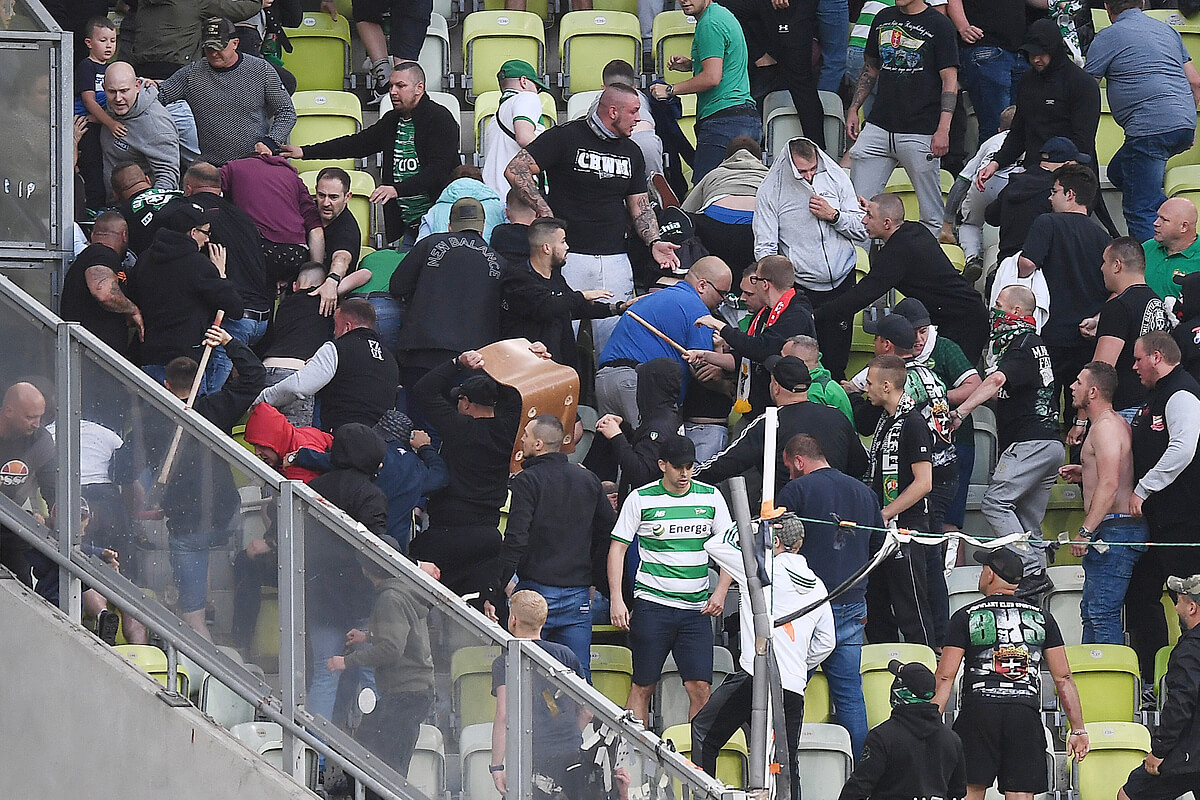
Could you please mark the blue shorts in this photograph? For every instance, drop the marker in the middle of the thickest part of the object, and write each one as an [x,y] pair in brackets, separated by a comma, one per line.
[655,630]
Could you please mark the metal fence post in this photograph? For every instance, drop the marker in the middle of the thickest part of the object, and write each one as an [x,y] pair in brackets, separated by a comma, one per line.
[67,367]
[518,755]
[290,528]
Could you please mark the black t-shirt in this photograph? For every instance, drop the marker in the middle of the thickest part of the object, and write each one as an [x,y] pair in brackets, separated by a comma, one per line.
[911,50]
[1026,410]
[245,265]
[899,443]
[140,213]
[1002,22]
[343,233]
[1004,640]
[1069,249]
[1135,311]
[589,179]
[89,77]
[555,718]
[298,329]
[79,305]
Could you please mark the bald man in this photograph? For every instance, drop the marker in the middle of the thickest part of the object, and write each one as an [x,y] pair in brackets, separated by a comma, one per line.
[1173,249]
[140,203]
[150,139]
[28,464]
[93,291]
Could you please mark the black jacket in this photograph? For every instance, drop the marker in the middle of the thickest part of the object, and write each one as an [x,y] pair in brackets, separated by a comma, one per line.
[1024,199]
[179,291]
[658,387]
[796,319]
[1061,100]
[476,451]
[1187,336]
[1177,739]
[911,756]
[450,284]
[245,264]
[510,240]
[559,522]
[436,139]
[1170,512]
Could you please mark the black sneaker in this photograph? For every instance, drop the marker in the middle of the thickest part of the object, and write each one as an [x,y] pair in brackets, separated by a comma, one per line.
[1034,587]
[107,625]
[973,269]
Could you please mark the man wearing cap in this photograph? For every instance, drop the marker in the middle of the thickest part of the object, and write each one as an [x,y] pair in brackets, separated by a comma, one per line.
[912,262]
[785,312]
[672,517]
[788,387]
[180,290]
[1173,251]
[803,645]
[447,278]
[516,123]
[419,142]
[913,753]
[354,376]
[1027,425]
[1005,642]
[1068,247]
[239,103]
[1152,89]
[1172,767]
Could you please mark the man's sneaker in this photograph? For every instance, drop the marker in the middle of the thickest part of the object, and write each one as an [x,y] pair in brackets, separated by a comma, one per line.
[107,625]
[973,270]
[1149,701]
[379,77]
[1034,587]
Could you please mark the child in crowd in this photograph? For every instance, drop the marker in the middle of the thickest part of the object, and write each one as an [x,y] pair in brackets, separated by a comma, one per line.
[101,40]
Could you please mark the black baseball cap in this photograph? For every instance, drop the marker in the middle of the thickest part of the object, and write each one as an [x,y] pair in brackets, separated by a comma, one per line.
[915,677]
[187,215]
[914,311]
[677,450]
[789,372]
[894,328]
[1004,562]
[481,389]
[675,226]
[1059,149]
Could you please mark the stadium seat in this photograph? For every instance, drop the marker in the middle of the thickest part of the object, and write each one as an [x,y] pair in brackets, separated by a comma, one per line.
[361,187]
[817,705]
[1183,182]
[1160,674]
[877,680]
[956,255]
[1063,601]
[578,104]
[987,444]
[1188,30]
[1108,681]
[625,6]
[825,758]
[471,677]
[448,102]
[612,671]
[687,123]
[153,661]
[196,677]
[671,36]
[487,104]
[1172,618]
[1117,748]
[448,9]
[492,37]
[963,587]
[1064,512]
[475,756]
[435,53]
[901,185]
[224,705]
[266,739]
[671,703]
[427,770]
[1109,135]
[539,7]
[320,57]
[321,116]
[731,762]
[266,627]
[1100,18]
[587,40]
[781,123]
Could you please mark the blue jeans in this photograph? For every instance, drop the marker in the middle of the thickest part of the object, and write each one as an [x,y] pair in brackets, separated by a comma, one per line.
[841,670]
[189,568]
[324,642]
[569,619]
[207,386]
[247,331]
[990,75]
[1137,169]
[714,132]
[709,439]
[833,32]
[388,316]
[1106,577]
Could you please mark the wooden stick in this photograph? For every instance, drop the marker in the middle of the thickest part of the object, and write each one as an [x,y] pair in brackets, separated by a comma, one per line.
[174,448]
[658,333]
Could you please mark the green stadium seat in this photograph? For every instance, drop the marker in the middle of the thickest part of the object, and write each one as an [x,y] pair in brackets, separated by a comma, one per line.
[731,762]
[435,53]
[475,756]
[1117,748]
[320,57]
[361,187]
[671,36]
[1064,512]
[1160,673]
[900,184]
[818,707]
[321,116]
[427,770]
[471,679]
[492,37]
[612,671]
[825,759]
[587,40]
[153,662]
[671,703]
[877,680]
[1063,601]
[1108,681]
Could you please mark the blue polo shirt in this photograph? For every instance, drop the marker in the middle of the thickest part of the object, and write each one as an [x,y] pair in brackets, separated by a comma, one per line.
[1142,58]
[673,311]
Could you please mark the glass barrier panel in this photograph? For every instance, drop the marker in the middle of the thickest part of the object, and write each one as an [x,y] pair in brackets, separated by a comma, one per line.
[25,145]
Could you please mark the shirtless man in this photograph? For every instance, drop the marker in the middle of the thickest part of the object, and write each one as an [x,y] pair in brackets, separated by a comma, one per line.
[1110,540]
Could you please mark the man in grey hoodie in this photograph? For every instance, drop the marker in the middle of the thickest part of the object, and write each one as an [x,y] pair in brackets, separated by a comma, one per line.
[150,136]
[807,211]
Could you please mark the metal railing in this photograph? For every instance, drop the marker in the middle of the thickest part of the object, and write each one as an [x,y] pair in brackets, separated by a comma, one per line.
[94,386]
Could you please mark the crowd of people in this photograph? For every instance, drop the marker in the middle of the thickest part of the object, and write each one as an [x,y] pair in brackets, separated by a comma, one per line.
[682,321]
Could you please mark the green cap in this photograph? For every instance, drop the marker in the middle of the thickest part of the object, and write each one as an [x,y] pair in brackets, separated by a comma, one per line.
[517,68]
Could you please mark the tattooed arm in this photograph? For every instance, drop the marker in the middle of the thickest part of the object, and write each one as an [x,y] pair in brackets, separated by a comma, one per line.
[520,173]
[866,84]
[940,144]
[646,225]
[103,284]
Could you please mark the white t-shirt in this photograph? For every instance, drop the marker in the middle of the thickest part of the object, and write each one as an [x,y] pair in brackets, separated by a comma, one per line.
[499,147]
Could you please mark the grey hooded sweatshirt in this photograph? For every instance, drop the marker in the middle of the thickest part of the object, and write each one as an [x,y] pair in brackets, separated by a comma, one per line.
[821,252]
[151,141]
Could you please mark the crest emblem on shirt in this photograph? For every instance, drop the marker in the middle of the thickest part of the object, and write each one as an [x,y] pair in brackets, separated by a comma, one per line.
[14,473]
[1195,335]
[1010,663]
[658,529]
[1156,423]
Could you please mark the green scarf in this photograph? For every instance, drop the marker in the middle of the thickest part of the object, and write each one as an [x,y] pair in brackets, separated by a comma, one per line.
[1005,328]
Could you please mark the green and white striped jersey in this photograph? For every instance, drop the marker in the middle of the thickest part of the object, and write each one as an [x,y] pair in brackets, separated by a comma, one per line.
[671,533]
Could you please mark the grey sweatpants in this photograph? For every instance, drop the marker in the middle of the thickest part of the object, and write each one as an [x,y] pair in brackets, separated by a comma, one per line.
[876,153]
[616,393]
[1016,498]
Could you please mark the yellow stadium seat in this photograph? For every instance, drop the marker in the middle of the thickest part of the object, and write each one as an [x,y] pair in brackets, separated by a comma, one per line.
[321,116]
[671,703]
[1172,618]
[825,759]
[471,678]
[1064,512]
[956,255]
[900,184]
[612,671]
[877,680]
[1100,18]
[153,662]
[492,37]
[320,57]
[1160,673]
[731,762]
[435,53]
[487,103]
[1063,601]
[672,36]
[361,187]
[587,40]
[1183,182]
[626,6]
[1117,748]
[475,756]
[687,123]
[817,705]
[539,7]
[1108,681]
[1109,135]
[781,123]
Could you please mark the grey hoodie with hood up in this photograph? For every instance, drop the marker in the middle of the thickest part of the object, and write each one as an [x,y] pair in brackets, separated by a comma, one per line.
[151,141]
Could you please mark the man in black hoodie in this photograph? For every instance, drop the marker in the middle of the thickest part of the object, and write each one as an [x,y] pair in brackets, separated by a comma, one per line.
[1027,195]
[913,754]
[423,132]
